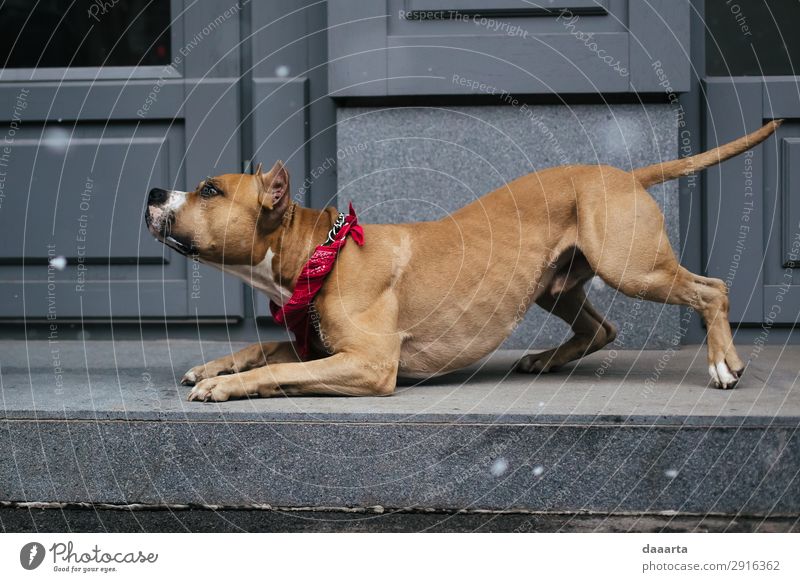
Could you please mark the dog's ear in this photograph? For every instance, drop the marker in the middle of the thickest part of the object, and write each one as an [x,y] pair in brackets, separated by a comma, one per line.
[274,186]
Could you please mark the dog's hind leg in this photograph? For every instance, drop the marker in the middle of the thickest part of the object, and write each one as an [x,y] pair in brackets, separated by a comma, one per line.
[675,284]
[591,331]
[634,255]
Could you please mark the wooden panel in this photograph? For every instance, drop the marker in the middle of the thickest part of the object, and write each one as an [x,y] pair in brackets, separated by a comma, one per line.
[781,99]
[290,116]
[660,59]
[541,64]
[734,207]
[505,7]
[620,47]
[790,201]
[357,47]
[87,153]
[121,271]
[98,101]
[292,47]
[46,295]
[280,124]
[210,46]
[212,147]
[77,187]
[321,109]
[782,220]
[782,303]
[277,50]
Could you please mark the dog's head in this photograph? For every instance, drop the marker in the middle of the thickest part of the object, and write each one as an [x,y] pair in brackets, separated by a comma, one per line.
[224,219]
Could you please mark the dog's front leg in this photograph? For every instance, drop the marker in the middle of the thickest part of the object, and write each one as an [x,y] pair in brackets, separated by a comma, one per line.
[343,374]
[250,357]
[365,362]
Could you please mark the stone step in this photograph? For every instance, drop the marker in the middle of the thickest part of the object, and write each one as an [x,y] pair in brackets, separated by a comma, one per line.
[194,519]
[619,434]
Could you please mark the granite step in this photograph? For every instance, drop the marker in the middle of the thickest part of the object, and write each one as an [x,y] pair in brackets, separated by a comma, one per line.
[620,434]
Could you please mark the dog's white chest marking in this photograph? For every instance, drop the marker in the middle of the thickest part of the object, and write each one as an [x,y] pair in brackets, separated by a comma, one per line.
[261,277]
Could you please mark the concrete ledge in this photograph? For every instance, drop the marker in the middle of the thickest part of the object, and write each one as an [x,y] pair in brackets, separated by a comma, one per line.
[611,436]
[280,520]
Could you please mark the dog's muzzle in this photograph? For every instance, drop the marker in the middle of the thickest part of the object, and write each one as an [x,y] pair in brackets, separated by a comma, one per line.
[156,215]
[159,217]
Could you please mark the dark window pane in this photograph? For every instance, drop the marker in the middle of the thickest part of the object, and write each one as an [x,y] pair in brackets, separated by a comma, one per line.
[752,37]
[83,33]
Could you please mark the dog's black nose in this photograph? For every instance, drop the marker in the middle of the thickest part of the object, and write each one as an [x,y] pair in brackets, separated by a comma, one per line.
[157,196]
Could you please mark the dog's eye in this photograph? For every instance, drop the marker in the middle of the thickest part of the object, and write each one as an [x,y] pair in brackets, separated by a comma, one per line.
[209,190]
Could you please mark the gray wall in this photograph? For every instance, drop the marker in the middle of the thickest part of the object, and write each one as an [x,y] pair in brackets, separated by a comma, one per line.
[419,163]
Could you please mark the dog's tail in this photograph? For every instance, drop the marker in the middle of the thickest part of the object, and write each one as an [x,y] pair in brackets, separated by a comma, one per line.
[665,171]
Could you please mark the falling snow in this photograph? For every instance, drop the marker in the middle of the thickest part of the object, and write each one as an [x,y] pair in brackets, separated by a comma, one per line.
[56,139]
[499,467]
[59,263]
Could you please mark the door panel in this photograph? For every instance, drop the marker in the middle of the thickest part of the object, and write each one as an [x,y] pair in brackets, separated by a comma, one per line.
[503,66]
[212,118]
[751,213]
[89,143]
[422,47]
[789,201]
[291,116]
[781,195]
[78,186]
[734,201]
[508,6]
[280,124]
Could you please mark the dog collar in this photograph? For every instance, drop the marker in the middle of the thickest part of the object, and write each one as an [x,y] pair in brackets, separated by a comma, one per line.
[296,312]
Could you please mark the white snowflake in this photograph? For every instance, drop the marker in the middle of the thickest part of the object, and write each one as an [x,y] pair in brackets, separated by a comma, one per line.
[56,139]
[499,467]
[59,263]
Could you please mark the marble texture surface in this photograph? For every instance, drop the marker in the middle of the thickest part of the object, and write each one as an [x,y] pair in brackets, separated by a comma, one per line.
[616,433]
[405,164]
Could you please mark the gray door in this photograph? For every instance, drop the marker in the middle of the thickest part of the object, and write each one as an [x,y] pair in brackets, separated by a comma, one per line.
[99,102]
[752,202]
[413,47]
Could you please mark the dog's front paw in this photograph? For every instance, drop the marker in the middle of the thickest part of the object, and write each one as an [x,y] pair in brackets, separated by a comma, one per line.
[203,371]
[209,390]
[192,377]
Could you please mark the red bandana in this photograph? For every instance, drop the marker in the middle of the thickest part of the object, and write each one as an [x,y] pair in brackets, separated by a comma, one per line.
[296,312]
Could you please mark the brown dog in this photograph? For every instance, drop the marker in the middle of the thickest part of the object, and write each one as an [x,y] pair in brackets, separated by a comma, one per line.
[427,298]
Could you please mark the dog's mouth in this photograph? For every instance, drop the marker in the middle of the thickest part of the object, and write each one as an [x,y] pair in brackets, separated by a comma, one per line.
[163,232]
[179,246]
